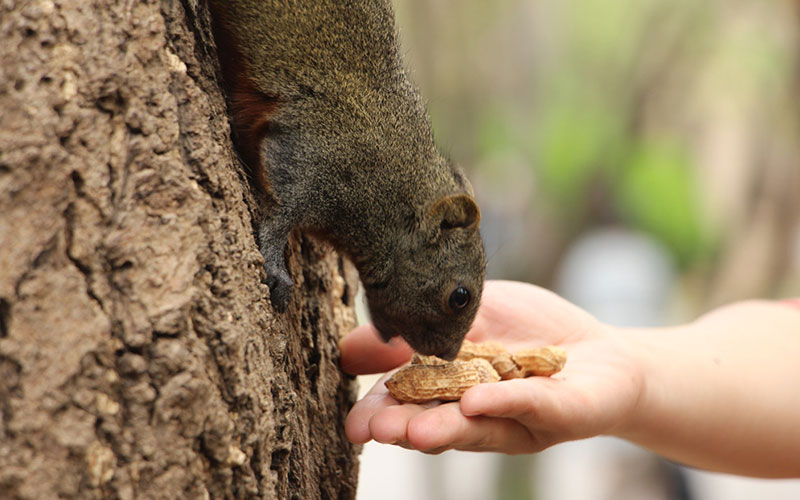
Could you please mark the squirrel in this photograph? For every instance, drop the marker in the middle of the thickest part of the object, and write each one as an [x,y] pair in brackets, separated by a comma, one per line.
[337,137]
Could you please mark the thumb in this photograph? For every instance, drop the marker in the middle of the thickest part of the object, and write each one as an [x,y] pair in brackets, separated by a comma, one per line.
[363,352]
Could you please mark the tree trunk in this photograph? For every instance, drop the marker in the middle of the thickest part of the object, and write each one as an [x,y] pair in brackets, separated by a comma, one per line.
[139,356]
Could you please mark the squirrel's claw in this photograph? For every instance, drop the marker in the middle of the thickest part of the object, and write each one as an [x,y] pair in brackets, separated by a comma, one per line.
[273,236]
[280,286]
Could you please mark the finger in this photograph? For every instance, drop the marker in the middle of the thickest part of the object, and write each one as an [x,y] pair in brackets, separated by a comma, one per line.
[390,425]
[356,425]
[363,352]
[532,401]
[381,417]
[445,427]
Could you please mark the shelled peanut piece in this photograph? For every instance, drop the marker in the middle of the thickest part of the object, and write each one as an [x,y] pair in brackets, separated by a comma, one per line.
[428,377]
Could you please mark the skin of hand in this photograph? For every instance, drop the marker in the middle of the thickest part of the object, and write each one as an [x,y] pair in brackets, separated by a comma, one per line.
[721,392]
[718,393]
[596,393]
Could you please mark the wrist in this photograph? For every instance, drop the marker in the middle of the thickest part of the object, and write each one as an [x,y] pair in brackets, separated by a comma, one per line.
[647,349]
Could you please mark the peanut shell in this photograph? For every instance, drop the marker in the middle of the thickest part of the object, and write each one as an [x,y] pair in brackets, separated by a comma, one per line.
[544,361]
[421,359]
[506,367]
[446,382]
[484,350]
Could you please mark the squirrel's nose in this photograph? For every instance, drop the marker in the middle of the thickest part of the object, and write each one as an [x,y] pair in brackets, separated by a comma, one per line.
[450,354]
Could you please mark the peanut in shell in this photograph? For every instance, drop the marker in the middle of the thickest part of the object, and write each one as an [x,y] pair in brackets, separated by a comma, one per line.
[445,382]
[543,361]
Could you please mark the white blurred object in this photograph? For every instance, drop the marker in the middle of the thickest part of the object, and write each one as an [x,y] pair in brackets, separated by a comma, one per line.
[622,277]
[601,468]
[392,473]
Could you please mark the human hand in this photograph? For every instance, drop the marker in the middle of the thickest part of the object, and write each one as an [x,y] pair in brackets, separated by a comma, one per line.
[596,393]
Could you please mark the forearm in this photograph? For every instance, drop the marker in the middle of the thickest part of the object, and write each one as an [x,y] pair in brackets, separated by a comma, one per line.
[723,392]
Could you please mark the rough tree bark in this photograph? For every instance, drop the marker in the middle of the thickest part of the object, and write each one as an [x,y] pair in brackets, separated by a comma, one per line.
[139,356]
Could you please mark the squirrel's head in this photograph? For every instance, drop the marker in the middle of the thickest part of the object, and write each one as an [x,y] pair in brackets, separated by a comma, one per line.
[433,287]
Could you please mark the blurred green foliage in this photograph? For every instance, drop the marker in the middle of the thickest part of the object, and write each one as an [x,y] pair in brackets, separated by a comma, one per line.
[657,193]
[578,138]
[654,185]
[588,136]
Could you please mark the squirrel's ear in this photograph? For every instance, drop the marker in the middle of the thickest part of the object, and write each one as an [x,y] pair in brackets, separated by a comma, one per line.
[462,180]
[457,211]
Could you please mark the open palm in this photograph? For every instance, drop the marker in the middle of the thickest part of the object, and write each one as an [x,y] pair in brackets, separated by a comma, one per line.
[596,393]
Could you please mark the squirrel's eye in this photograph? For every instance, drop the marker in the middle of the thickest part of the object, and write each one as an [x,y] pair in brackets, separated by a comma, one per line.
[459,298]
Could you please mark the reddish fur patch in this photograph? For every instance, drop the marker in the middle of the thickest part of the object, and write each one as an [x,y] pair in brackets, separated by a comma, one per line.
[251,112]
[251,109]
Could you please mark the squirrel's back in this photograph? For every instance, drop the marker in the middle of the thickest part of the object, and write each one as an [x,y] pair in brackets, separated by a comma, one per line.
[332,127]
[290,44]
[318,65]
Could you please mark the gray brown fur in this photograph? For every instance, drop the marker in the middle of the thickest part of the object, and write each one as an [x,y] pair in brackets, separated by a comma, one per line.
[349,156]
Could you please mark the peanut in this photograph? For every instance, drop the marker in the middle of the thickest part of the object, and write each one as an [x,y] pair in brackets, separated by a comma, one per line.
[485,350]
[421,359]
[446,382]
[506,367]
[429,377]
[544,361]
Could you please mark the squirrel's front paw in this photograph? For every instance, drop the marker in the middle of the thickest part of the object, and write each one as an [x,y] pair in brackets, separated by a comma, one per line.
[280,286]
